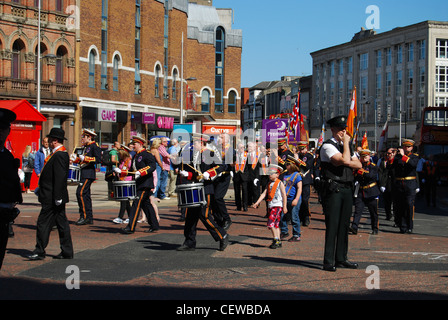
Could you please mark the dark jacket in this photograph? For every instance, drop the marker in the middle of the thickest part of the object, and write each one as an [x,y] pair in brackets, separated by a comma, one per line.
[53,178]
[92,156]
[145,163]
[368,181]
[10,190]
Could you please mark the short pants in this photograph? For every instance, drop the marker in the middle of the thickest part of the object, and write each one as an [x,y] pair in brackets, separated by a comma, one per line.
[275,214]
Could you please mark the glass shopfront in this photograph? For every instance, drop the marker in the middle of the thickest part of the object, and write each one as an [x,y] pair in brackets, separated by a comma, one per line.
[107,123]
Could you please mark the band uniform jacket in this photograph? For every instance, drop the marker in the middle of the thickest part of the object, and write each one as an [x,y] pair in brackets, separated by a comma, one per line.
[10,190]
[145,163]
[385,175]
[53,178]
[308,158]
[92,156]
[405,172]
[367,178]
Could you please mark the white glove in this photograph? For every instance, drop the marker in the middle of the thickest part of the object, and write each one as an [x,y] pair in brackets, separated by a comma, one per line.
[231,174]
[383,189]
[206,176]
[81,157]
[137,175]
[423,180]
[58,202]
[117,170]
[255,182]
[417,190]
[73,157]
[184,173]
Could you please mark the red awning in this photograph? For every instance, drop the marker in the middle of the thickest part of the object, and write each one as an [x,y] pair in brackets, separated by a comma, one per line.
[23,109]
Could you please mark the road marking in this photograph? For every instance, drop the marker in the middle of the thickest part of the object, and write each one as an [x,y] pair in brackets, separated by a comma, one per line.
[435,256]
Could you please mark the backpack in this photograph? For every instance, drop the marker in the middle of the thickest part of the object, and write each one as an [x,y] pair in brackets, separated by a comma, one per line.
[105,158]
[30,163]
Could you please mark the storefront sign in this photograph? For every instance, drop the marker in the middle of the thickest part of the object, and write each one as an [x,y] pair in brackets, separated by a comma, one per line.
[165,123]
[215,130]
[107,115]
[149,118]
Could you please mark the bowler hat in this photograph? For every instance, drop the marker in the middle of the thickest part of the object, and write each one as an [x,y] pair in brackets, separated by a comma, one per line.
[57,133]
[338,122]
[6,117]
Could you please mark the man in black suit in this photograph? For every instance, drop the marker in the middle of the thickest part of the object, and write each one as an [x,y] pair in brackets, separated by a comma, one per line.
[87,161]
[241,178]
[53,196]
[10,190]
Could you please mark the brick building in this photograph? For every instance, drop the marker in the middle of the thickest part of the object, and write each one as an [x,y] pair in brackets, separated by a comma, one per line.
[18,59]
[139,61]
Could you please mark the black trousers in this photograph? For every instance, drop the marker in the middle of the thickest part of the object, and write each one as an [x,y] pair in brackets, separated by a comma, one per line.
[49,216]
[241,192]
[83,195]
[4,228]
[305,206]
[405,206]
[219,207]
[142,202]
[338,210]
[193,215]
[124,206]
[372,205]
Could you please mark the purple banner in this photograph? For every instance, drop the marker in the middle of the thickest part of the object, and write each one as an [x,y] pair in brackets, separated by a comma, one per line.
[275,129]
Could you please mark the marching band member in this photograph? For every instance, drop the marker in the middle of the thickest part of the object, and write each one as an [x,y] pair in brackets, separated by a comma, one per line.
[144,164]
[307,180]
[207,172]
[87,161]
[124,163]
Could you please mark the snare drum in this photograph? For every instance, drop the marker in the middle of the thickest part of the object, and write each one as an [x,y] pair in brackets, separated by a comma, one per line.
[191,195]
[124,190]
[74,174]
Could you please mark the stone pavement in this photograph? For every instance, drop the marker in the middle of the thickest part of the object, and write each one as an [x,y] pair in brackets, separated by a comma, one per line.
[114,266]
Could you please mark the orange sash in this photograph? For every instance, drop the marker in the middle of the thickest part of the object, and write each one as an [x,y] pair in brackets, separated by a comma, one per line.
[271,192]
[51,154]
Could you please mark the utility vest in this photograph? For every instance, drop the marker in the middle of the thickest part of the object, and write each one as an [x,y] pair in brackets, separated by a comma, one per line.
[341,174]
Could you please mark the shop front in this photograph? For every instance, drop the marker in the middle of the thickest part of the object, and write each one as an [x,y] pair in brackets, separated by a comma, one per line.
[158,124]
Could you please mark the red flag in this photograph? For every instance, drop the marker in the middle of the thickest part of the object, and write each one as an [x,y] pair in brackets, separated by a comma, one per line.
[352,114]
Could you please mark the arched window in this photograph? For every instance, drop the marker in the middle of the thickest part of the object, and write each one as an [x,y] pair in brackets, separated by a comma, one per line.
[115,72]
[232,102]
[92,57]
[61,64]
[219,69]
[18,53]
[43,52]
[174,90]
[205,100]
[157,79]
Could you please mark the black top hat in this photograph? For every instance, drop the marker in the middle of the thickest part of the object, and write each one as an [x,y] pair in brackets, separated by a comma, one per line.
[6,117]
[338,122]
[57,133]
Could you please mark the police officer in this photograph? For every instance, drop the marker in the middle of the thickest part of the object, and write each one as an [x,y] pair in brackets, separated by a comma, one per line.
[87,161]
[406,184]
[143,165]
[366,192]
[10,190]
[337,163]
[307,180]
[205,171]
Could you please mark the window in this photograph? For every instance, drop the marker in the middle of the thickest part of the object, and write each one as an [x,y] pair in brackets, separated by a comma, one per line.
[104,27]
[341,67]
[174,89]
[422,77]
[219,69]
[398,83]
[165,48]
[350,65]
[43,52]
[18,52]
[422,49]
[332,69]
[441,78]
[410,82]
[232,102]
[442,49]
[59,5]
[61,60]
[399,52]
[388,84]
[363,87]
[205,100]
[388,56]
[92,57]
[115,72]
[364,61]
[156,82]
[379,61]
[137,78]
[378,85]
[410,52]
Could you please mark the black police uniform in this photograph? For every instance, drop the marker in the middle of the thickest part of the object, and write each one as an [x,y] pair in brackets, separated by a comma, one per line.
[92,156]
[10,190]
[406,184]
[307,180]
[367,195]
[194,214]
[145,163]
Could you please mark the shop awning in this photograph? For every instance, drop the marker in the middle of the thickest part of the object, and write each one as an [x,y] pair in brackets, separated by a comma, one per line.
[199,116]
[23,109]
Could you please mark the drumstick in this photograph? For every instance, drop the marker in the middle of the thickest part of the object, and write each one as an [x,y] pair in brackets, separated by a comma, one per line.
[200,176]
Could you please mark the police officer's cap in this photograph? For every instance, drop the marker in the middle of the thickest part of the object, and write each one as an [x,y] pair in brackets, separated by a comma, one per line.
[6,117]
[338,122]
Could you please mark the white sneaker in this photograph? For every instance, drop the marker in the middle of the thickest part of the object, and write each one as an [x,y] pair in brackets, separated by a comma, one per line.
[166,198]
[117,221]
[126,221]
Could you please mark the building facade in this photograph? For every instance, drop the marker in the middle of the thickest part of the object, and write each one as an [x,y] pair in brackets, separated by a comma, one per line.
[142,62]
[396,74]
[19,56]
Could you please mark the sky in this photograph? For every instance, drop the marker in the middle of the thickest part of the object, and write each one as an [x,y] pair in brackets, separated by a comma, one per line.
[279,35]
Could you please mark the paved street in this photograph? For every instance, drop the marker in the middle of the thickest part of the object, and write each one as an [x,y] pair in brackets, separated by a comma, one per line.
[115,266]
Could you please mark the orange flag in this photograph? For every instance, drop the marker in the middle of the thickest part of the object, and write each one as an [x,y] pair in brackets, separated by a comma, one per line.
[352,114]
[365,143]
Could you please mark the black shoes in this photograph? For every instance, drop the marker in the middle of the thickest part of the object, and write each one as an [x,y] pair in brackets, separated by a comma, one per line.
[227,224]
[224,243]
[127,231]
[62,256]
[185,248]
[82,221]
[344,264]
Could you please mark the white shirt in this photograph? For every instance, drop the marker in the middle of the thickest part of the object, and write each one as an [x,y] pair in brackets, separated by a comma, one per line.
[278,199]
[328,150]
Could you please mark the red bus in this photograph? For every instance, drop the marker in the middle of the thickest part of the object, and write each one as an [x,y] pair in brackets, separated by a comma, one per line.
[433,138]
